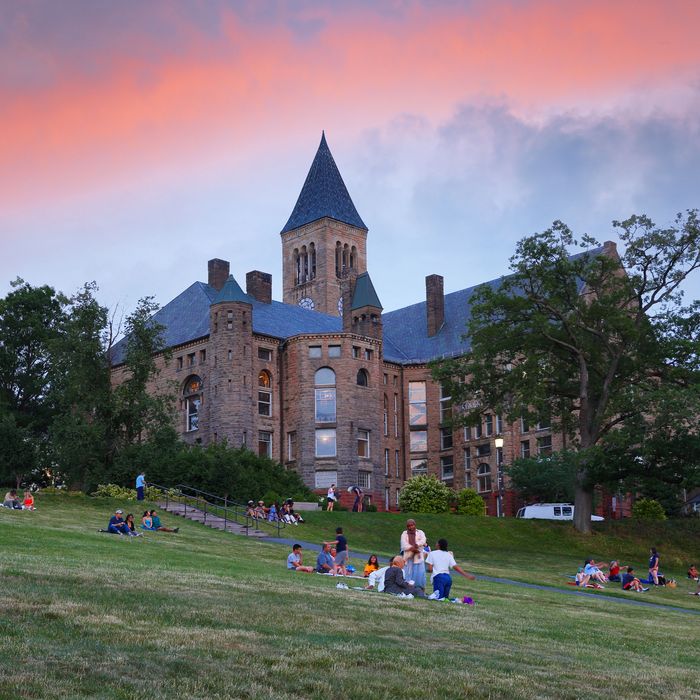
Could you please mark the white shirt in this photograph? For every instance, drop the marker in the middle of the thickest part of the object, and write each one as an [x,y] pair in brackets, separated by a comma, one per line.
[442,562]
[376,578]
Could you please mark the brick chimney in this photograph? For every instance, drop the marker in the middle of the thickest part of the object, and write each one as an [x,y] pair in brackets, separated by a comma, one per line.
[259,286]
[218,273]
[435,303]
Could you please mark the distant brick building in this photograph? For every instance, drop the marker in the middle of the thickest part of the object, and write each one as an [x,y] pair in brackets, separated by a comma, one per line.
[325,382]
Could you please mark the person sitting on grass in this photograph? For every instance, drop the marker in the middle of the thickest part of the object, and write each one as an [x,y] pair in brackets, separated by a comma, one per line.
[129,520]
[324,560]
[155,521]
[272,513]
[260,510]
[693,573]
[295,562]
[439,562]
[614,571]
[11,500]
[147,521]
[395,583]
[342,555]
[376,579]
[592,569]
[371,565]
[631,583]
[117,524]
[28,500]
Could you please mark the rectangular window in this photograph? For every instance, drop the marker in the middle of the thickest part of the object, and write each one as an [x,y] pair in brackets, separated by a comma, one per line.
[447,468]
[334,351]
[467,459]
[355,352]
[488,421]
[544,445]
[386,462]
[445,405]
[364,480]
[325,405]
[566,511]
[524,425]
[190,359]
[398,496]
[264,402]
[417,406]
[315,351]
[483,478]
[419,466]
[325,479]
[179,362]
[557,510]
[325,442]
[419,441]
[499,424]
[544,423]
[265,444]
[368,354]
[396,415]
[467,433]
[478,431]
[386,379]
[396,380]
[291,446]
[265,354]
[202,357]
[483,450]
[193,404]
[229,320]
[230,355]
[396,463]
[524,448]
[445,438]
[363,444]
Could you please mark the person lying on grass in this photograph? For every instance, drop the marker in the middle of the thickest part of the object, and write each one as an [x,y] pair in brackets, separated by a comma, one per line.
[631,583]
[395,583]
[295,562]
[439,562]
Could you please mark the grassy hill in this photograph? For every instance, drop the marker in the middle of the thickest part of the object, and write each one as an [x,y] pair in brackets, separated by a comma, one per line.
[204,614]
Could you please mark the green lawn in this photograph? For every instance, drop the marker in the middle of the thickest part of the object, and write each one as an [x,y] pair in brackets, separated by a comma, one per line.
[203,614]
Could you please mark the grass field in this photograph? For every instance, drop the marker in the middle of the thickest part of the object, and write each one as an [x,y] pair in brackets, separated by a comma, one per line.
[204,614]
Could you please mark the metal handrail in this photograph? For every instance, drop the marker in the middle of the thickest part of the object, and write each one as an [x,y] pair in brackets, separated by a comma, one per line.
[231,511]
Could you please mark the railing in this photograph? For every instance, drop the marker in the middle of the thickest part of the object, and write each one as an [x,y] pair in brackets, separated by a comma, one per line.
[210,504]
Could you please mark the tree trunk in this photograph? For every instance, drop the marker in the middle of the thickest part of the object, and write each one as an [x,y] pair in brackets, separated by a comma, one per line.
[583,507]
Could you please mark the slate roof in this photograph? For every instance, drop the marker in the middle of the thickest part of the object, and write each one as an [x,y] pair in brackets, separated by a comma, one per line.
[231,291]
[323,194]
[365,294]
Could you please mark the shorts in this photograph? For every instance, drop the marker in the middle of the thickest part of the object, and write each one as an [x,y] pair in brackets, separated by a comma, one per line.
[341,558]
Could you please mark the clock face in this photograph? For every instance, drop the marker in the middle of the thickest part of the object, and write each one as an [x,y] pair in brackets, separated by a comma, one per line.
[306,303]
[340,306]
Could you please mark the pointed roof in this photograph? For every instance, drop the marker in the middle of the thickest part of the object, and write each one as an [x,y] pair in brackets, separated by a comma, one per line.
[231,291]
[323,194]
[365,294]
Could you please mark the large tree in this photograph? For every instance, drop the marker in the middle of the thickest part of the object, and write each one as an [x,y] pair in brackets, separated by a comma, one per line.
[598,341]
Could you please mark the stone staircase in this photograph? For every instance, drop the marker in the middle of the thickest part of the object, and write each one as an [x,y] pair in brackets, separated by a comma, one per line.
[214,521]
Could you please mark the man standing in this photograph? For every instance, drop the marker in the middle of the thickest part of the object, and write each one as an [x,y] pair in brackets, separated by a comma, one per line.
[140,486]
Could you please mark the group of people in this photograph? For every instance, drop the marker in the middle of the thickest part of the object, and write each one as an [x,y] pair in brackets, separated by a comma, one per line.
[332,498]
[274,513]
[592,574]
[11,500]
[150,520]
[405,574]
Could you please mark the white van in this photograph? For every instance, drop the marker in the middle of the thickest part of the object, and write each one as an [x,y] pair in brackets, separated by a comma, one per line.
[551,511]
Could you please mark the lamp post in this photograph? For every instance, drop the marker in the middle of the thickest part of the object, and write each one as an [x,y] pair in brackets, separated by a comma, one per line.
[498,442]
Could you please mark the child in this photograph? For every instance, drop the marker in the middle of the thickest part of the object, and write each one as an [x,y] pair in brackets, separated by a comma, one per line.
[693,573]
[440,561]
[295,562]
[371,565]
[342,556]
[631,582]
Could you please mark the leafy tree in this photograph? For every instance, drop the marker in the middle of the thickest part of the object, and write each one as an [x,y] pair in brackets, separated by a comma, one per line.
[425,494]
[601,343]
[469,502]
[648,509]
[545,477]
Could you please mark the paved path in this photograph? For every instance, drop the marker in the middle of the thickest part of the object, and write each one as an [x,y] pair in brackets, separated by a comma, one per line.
[218,523]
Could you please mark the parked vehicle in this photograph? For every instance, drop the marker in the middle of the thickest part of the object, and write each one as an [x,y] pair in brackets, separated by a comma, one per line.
[551,511]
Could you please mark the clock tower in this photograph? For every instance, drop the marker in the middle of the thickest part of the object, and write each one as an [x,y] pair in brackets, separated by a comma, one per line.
[325,240]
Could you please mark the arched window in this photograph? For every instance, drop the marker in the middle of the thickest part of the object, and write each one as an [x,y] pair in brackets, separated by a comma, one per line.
[312,261]
[484,478]
[192,402]
[362,377]
[346,257]
[338,259]
[353,258]
[297,266]
[324,380]
[304,264]
[264,393]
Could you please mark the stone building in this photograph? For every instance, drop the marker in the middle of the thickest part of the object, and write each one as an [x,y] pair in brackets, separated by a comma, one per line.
[325,381]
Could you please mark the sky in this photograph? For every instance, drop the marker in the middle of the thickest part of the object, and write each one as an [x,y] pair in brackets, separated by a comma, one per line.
[139,140]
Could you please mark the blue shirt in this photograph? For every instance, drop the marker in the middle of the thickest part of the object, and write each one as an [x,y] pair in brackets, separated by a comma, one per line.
[342,543]
[140,481]
[293,560]
[324,558]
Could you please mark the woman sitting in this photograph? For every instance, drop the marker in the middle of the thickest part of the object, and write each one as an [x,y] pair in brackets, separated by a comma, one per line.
[11,500]
[693,573]
[28,500]
[147,521]
[614,571]
[130,522]
[371,565]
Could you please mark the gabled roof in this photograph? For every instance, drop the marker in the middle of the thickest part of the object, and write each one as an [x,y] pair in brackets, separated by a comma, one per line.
[231,291]
[323,194]
[365,294]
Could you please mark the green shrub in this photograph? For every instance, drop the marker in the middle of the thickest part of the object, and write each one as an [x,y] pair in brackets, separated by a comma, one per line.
[425,494]
[371,508]
[469,502]
[648,509]
[125,494]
